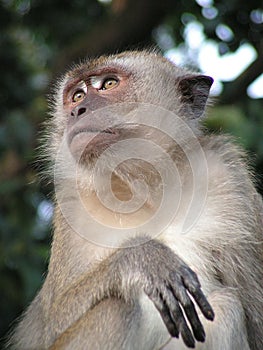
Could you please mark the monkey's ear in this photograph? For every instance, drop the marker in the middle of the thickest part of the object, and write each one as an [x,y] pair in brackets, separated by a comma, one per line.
[194,91]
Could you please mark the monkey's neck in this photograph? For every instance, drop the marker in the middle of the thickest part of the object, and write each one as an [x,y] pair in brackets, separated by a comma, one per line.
[121,204]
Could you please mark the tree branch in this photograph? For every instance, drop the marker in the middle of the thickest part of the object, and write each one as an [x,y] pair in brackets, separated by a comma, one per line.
[237,89]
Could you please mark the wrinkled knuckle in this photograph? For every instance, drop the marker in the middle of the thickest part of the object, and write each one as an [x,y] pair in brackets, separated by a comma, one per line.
[193,288]
[192,282]
[186,303]
[174,276]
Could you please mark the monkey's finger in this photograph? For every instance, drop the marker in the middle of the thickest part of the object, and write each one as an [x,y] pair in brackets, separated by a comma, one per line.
[203,304]
[178,317]
[193,286]
[164,312]
[190,311]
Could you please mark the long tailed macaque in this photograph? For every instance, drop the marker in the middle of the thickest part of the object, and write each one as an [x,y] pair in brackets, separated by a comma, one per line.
[117,279]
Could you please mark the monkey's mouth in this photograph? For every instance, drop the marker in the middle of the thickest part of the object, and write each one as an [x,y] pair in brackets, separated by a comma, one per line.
[91,140]
[90,131]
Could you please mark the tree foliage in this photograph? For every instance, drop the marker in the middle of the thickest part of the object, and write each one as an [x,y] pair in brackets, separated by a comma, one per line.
[38,41]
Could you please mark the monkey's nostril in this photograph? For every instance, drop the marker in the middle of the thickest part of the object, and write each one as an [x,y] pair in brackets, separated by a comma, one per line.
[81,111]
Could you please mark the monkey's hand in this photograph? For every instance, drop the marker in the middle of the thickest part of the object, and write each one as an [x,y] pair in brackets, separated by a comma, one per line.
[169,283]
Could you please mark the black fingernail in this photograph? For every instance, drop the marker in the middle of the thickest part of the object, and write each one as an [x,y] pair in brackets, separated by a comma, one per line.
[189,341]
[210,315]
[200,335]
[174,333]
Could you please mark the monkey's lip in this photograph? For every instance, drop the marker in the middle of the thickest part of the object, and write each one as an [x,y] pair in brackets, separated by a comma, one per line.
[91,140]
[90,132]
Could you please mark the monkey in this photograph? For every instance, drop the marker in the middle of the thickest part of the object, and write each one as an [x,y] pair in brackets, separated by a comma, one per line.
[113,284]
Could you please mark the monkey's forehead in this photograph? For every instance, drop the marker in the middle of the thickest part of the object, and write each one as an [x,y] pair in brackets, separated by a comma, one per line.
[129,61]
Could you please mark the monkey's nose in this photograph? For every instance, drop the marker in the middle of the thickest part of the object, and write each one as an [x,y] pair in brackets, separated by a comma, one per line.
[76,112]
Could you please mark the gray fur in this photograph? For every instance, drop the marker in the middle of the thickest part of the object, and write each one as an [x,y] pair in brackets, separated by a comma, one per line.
[93,297]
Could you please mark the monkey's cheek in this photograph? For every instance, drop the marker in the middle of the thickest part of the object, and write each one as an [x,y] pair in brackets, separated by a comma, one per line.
[92,144]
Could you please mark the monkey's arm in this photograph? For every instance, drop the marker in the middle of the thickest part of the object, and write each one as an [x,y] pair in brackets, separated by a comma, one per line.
[153,268]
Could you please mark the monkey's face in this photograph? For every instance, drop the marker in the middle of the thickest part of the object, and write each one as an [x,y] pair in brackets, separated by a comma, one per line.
[89,132]
[90,91]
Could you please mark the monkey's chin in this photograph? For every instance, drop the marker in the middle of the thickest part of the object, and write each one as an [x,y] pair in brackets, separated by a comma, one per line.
[89,145]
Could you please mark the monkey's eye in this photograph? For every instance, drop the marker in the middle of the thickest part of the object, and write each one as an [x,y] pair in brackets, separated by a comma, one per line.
[79,92]
[109,83]
[78,95]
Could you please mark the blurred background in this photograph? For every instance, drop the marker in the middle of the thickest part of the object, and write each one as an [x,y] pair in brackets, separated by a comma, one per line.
[39,40]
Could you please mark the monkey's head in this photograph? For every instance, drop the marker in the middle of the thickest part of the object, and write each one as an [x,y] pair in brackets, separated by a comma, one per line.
[120,127]
[129,77]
